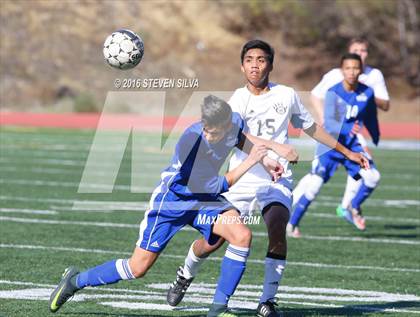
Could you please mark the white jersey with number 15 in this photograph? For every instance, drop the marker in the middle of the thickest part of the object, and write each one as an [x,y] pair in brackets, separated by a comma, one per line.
[267,116]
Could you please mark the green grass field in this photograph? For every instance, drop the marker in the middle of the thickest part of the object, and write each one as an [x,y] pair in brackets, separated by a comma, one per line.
[334,270]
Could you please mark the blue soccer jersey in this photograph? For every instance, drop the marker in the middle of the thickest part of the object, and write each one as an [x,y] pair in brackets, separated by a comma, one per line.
[195,165]
[190,188]
[342,110]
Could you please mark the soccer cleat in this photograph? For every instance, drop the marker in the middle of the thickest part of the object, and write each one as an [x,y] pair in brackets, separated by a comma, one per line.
[178,288]
[341,212]
[64,290]
[354,217]
[345,214]
[268,309]
[293,231]
[358,219]
[219,310]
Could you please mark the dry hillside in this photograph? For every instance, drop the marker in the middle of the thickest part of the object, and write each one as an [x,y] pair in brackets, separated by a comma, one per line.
[50,49]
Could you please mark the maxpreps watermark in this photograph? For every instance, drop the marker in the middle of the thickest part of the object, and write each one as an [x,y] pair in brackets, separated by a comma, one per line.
[204,219]
[156,83]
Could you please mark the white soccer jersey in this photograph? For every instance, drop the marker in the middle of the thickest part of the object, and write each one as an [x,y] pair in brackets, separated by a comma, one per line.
[371,77]
[267,116]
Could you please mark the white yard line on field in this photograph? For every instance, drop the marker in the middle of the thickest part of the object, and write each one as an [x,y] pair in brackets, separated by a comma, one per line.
[255,233]
[212,258]
[389,220]
[79,163]
[77,202]
[140,206]
[28,211]
[105,188]
[200,295]
[34,182]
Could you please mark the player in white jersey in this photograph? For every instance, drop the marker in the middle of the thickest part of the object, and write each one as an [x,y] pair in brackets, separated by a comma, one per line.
[371,77]
[267,109]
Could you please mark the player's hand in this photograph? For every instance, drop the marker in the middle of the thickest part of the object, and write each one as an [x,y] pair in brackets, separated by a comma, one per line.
[274,168]
[289,153]
[257,153]
[360,159]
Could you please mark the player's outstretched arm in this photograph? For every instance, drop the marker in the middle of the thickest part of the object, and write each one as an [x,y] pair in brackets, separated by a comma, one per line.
[284,150]
[318,133]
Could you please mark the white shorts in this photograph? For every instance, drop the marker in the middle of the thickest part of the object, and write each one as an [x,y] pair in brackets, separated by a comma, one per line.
[248,199]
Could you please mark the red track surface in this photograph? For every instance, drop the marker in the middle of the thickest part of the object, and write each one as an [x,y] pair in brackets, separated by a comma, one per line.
[409,130]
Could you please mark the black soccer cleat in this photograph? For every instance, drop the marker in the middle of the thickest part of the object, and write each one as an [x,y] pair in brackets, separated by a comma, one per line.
[64,290]
[268,309]
[178,288]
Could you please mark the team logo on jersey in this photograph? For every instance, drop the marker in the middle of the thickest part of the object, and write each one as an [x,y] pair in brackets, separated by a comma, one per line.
[362,97]
[280,108]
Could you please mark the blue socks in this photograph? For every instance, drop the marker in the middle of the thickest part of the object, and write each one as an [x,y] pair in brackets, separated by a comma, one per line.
[232,269]
[108,273]
[363,193]
[300,209]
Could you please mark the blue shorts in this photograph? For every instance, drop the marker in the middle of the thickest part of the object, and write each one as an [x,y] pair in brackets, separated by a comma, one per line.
[327,163]
[168,214]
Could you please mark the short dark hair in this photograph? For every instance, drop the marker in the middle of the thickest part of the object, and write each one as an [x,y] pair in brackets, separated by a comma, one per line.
[361,40]
[261,45]
[215,111]
[351,56]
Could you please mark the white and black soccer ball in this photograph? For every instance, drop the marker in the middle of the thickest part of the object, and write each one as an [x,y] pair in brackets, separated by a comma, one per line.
[123,49]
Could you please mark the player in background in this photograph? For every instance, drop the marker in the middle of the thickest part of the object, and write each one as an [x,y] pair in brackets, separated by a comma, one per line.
[267,108]
[346,104]
[189,187]
[371,77]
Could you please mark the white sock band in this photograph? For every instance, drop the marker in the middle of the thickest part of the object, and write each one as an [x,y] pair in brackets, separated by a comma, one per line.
[124,269]
[237,253]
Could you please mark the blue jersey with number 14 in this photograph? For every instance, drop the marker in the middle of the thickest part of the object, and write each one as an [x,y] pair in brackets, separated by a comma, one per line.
[343,108]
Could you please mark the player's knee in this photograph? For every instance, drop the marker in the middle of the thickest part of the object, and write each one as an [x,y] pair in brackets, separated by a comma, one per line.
[313,187]
[242,237]
[376,176]
[138,269]
[206,249]
[371,177]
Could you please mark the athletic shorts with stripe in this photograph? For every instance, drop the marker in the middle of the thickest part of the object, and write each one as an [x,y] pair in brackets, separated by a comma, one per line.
[168,213]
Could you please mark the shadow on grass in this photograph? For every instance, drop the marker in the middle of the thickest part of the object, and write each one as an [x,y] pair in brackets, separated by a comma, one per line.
[401,227]
[391,235]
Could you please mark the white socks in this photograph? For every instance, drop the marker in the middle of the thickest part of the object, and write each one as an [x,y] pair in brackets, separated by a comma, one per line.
[192,264]
[352,187]
[273,273]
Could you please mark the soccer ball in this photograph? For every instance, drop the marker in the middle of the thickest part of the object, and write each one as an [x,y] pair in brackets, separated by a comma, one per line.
[123,49]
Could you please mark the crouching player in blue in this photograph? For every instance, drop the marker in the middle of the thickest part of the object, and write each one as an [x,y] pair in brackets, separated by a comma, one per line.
[190,189]
[348,105]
